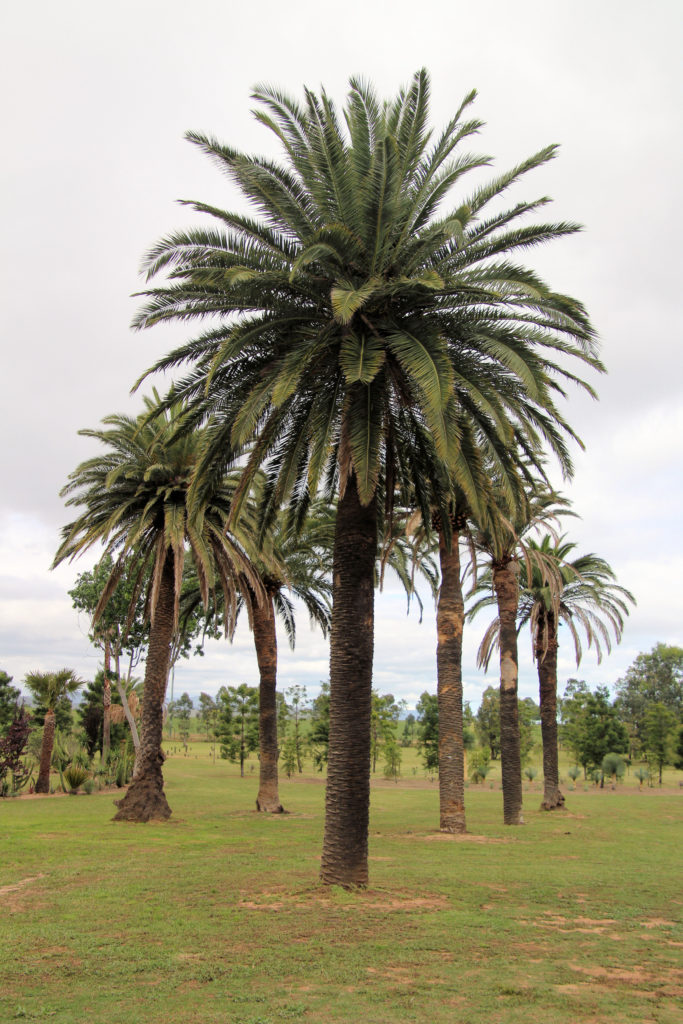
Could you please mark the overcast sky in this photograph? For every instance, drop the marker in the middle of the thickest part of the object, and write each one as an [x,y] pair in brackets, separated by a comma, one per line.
[97,98]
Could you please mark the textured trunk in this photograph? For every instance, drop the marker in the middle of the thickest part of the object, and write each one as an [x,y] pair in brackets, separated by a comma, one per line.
[450,615]
[145,799]
[546,657]
[507,596]
[347,802]
[106,701]
[265,641]
[43,783]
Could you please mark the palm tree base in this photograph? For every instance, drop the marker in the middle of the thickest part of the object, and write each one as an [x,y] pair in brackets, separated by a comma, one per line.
[144,801]
[269,805]
[553,801]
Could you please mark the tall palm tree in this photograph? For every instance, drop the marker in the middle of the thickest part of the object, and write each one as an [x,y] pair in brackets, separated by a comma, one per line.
[581,593]
[349,310]
[49,688]
[133,497]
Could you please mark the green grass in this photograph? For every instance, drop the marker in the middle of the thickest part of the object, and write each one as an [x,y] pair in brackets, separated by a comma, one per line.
[216,917]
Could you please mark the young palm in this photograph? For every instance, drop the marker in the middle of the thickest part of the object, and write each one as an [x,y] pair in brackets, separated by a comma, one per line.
[133,498]
[49,688]
[349,312]
[581,593]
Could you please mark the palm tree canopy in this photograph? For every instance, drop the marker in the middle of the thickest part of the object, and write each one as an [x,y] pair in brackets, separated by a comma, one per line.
[356,327]
[49,687]
[581,593]
[133,497]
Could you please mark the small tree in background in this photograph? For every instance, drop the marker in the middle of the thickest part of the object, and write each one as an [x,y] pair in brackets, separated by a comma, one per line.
[182,709]
[428,731]
[319,736]
[658,736]
[238,722]
[487,720]
[392,759]
[297,703]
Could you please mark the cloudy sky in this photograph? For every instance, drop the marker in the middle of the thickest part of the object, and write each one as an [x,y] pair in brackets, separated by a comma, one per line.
[97,98]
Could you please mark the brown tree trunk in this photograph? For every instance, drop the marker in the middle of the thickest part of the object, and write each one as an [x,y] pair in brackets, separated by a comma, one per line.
[145,799]
[507,596]
[106,701]
[546,658]
[450,615]
[265,641]
[43,782]
[347,801]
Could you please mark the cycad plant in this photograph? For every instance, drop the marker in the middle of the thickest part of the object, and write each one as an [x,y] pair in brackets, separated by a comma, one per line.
[346,316]
[132,498]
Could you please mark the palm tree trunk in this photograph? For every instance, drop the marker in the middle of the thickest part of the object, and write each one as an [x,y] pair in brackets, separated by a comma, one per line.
[265,641]
[546,657]
[347,801]
[43,782]
[450,615]
[106,701]
[145,799]
[507,596]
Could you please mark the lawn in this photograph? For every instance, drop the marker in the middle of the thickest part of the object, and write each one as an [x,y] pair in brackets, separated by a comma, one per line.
[217,916]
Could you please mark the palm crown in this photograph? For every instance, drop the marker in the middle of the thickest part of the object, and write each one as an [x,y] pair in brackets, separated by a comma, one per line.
[353,316]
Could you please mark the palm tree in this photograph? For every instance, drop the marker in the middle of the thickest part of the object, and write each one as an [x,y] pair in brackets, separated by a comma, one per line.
[133,498]
[583,594]
[349,311]
[505,544]
[49,688]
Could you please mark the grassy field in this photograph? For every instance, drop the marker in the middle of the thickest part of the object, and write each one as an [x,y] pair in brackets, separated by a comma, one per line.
[216,917]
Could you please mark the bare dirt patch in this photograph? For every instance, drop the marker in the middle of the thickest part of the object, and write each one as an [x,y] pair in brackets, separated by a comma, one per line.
[455,837]
[18,886]
[658,922]
[367,899]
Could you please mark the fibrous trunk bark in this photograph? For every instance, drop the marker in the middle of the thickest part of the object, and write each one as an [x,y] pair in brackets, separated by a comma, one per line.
[546,657]
[106,701]
[347,801]
[507,596]
[265,641]
[145,799]
[43,782]
[450,616]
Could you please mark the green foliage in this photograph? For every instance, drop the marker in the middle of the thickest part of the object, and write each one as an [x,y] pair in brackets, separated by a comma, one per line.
[75,775]
[296,711]
[51,691]
[487,720]
[659,726]
[591,725]
[392,759]
[237,723]
[653,678]
[383,723]
[613,767]
[207,712]
[90,714]
[408,733]
[181,710]
[479,766]
[289,757]
[428,730]
[319,736]
[530,773]
[9,697]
